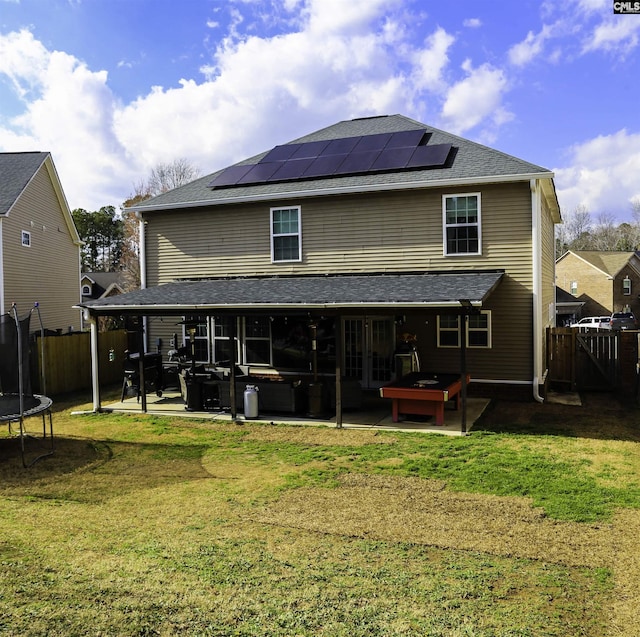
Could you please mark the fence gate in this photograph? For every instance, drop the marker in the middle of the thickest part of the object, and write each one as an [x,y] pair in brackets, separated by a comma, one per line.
[583,361]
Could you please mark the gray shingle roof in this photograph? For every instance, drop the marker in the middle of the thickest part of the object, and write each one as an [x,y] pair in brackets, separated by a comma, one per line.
[472,162]
[305,292]
[16,170]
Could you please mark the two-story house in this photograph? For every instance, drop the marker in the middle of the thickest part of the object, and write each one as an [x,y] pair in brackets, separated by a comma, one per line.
[325,254]
[605,282]
[39,243]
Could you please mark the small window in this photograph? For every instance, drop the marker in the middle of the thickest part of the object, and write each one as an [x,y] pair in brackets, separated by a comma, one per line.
[626,286]
[26,239]
[574,288]
[286,235]
[478,332]
[448,330]
[86,290]
[461,224]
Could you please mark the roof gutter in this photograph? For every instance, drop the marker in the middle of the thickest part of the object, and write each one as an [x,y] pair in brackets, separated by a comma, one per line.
[114,309]
[344,190]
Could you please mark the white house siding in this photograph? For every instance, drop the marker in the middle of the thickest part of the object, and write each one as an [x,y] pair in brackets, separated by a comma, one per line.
[393,231]
[49,271]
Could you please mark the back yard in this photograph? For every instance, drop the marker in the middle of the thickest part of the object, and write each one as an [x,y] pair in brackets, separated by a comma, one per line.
[141,525]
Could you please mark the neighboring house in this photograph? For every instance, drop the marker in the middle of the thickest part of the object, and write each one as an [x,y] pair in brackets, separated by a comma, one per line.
[39,244]
[324,253]
[605,282]
[568,308]
[100,285]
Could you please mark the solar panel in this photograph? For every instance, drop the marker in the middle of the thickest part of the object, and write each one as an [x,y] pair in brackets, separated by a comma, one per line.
[341,146]
[259,173]
[280,153]
[429,156]
[292,169]
[310,149]
[343,156]
[372,142]
[325,165]
[406,138]
[230,176]
[357,162]
[391,158]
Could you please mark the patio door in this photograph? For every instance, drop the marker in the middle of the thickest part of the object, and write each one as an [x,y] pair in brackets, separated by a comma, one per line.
[369,343]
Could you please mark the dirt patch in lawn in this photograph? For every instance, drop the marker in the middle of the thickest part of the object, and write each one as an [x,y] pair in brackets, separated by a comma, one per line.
[421,511]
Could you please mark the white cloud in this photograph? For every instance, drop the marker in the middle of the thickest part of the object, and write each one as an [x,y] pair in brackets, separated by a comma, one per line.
[476,98]
[602,174]
[531,47]
[342,60]
[614,35]
[431,61]
[472,23]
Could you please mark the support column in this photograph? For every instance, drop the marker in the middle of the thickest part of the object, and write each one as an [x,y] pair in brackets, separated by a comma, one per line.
[338,331]
[232,371]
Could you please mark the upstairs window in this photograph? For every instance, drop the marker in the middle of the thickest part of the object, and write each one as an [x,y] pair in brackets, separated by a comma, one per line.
[573,288]
[286,235]
[626,286]
[461,224]
[26,239]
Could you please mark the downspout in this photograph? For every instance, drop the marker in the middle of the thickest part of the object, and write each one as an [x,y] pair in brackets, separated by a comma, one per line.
[536,246]
[1,273]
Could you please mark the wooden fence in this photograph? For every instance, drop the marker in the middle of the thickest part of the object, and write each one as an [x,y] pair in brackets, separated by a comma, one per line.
[67,359]
[593,360]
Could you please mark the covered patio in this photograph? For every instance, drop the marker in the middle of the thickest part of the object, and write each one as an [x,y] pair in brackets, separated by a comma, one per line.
[375,414]
[312,299]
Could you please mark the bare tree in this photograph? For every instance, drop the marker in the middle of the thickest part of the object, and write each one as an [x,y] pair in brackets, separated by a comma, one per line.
[163,177]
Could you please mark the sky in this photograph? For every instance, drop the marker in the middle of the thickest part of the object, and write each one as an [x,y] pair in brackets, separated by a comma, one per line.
[113,88]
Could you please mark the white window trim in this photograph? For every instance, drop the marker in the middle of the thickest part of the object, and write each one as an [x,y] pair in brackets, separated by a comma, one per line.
[290,234]
[465,225]
[185,338]
[440,330]
[86,290]
[245,340]
[488,330]
[26,235]
[626,286]
[215,338]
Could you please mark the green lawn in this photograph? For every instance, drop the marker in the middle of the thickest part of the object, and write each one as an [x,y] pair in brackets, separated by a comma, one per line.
[140,525]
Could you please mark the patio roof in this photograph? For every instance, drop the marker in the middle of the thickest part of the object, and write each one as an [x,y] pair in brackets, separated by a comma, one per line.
[316,292]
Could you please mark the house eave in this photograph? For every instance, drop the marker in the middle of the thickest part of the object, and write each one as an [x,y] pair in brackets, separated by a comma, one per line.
[346,190]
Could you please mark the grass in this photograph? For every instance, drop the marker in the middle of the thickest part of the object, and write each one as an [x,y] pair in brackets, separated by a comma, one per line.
[141,525]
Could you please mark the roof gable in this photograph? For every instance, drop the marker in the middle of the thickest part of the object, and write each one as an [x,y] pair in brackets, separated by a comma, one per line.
[467,163]
[608,262]
[17,171]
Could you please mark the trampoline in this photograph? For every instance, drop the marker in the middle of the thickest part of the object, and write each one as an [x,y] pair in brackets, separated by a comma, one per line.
[17,401]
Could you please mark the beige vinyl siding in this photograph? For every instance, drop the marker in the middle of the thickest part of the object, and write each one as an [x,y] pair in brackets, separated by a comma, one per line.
[365,233]
[380,232]
[49,271]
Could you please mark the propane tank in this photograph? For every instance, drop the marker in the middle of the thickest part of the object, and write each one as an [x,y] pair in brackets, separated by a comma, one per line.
[251,402]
